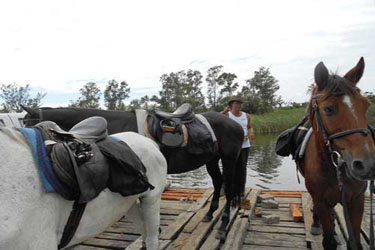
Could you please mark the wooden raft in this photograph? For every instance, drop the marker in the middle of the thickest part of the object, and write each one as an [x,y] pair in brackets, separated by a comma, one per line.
[182,211]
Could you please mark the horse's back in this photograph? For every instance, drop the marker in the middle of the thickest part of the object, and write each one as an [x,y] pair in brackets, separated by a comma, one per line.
[33,219]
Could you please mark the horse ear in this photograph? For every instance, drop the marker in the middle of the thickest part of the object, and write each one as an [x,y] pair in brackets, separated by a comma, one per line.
[321,75]
[28,110]
[355,74]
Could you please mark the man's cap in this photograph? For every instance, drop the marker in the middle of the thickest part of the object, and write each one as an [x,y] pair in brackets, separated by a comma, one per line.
[235,99]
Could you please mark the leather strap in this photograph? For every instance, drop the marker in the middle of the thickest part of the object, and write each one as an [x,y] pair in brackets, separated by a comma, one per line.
[72,223]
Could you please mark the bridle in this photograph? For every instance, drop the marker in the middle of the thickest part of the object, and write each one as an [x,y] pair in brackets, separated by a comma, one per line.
[340,165]
[328,139]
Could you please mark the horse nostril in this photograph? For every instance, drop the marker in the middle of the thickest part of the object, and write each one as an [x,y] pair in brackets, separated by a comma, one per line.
[358,166]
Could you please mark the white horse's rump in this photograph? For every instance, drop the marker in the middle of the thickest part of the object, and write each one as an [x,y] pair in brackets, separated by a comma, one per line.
[30,218]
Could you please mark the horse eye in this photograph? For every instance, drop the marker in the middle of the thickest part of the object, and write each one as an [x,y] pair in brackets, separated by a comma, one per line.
[328,110]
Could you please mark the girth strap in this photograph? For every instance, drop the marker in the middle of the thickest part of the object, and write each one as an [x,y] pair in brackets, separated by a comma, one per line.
[72,223]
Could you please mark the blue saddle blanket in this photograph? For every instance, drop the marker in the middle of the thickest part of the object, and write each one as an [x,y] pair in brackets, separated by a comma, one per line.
[35,140]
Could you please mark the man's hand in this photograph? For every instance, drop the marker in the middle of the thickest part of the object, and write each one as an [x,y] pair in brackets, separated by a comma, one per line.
[252,137]
[226,110]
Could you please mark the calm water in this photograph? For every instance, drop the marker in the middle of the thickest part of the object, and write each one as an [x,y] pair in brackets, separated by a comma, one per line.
[265,170]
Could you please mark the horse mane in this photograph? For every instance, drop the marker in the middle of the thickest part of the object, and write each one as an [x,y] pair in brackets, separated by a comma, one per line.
[335,86]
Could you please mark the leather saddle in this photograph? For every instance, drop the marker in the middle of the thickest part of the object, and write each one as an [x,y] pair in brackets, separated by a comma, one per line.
[168,129]
[76,159]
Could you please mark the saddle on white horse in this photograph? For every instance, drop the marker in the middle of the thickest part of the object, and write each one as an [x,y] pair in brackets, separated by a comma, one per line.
[86,161]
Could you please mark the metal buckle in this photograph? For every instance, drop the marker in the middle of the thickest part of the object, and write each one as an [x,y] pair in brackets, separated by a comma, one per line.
[339,158]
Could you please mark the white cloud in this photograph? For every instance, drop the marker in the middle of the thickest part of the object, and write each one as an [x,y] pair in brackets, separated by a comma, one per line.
[57,45]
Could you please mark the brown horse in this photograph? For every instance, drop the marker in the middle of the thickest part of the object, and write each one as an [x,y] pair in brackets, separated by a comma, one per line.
[337,112]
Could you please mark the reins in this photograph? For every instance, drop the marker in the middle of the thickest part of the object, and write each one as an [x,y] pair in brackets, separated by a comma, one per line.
[340,168]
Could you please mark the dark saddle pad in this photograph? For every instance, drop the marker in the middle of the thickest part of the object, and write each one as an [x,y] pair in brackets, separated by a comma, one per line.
[289,141]
[82,162]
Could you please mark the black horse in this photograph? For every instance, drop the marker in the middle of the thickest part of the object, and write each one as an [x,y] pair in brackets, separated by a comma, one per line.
[229,136]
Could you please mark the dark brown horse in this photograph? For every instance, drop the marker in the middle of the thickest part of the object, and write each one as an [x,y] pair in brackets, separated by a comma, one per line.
[340,138]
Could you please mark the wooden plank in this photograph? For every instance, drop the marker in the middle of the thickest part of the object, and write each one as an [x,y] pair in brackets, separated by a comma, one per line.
[194,222]
[116,236]
[83,247]
[185,217]
[202,201]
[288,200]
[200,233]
[175,206]
[275,240]
[164,211]
[314,240]
[237,233]
[295,212]
[114,244]
[275,229]
[211,242]
[174,228]
[255,247]
[137,245]
[290,224]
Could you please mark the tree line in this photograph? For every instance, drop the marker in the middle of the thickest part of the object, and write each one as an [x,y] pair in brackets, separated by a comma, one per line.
[258,93]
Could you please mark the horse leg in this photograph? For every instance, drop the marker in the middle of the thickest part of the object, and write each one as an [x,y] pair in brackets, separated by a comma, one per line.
[150,212]
[355,209]
[217,180]
[316,229]
[327,222]
[228,175]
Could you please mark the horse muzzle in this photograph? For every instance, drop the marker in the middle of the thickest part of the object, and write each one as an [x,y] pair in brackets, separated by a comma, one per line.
[361,169]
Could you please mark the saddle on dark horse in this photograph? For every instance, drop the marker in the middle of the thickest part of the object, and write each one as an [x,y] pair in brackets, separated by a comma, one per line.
[182,128]
[86,161]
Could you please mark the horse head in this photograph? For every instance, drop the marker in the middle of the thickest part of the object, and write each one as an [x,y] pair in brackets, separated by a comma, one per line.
[32,116]
[337,111]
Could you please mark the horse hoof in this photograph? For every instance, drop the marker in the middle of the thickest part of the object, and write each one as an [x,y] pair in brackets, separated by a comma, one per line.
[207,218]
[316,230]
[220,235]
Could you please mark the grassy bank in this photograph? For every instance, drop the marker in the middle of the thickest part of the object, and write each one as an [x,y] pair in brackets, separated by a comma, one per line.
[277,120]
[284,118]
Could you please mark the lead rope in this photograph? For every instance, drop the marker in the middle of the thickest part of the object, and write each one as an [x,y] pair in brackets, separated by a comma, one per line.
[340,177]
[371,219]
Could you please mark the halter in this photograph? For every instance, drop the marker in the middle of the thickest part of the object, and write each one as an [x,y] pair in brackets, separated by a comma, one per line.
[340,166]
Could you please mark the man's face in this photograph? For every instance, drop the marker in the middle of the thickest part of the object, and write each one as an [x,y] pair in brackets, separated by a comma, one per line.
[236,105]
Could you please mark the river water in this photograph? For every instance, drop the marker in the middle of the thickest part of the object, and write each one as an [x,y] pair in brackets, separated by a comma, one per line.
[265,170]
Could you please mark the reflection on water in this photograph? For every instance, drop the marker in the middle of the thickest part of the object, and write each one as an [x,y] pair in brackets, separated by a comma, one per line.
[265,170]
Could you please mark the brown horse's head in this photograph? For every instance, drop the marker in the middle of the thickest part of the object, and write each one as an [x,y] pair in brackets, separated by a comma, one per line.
[341,108]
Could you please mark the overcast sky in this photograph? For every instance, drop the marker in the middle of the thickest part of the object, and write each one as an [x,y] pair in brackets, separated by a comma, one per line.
[58,46]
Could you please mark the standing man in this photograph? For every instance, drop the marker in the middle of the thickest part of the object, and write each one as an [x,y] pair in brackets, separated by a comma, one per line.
[233,111]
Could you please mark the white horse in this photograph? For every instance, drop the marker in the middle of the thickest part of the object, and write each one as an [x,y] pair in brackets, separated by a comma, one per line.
[32,219]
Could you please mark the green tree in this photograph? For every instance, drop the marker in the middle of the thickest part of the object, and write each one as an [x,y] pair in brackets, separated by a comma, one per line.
[114,95]
[14,95]
[260,92]
[90,96]
[213,86]
[193,90]
[145,102]
[172,92]
[135,104]
[370,96]
[226,80]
